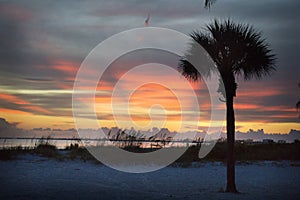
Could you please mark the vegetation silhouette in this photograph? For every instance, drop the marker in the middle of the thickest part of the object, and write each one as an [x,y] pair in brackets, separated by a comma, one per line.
[245,152]
[208,3]
[237,50]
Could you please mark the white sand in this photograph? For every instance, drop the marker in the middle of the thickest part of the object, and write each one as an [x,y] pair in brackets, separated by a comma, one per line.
[33,177]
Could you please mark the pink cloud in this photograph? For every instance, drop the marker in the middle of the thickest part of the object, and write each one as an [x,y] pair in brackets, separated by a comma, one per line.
[17,12]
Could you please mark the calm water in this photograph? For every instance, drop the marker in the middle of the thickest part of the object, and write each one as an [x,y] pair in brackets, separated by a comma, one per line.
[32,142]
[62,143]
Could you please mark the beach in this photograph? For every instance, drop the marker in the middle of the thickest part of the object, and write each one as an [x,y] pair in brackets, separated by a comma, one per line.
[36,177]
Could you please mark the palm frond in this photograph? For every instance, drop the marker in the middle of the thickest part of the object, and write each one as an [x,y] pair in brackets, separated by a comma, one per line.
[242,49]
[236,49]
[187,68]
[208,3]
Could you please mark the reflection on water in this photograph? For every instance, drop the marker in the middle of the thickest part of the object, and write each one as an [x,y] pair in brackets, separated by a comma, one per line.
[33,142]
[62,143]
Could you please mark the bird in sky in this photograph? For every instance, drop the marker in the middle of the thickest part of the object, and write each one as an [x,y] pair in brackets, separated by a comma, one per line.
[147,20]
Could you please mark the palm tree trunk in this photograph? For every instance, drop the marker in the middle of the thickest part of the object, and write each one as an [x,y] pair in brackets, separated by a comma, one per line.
[230,145]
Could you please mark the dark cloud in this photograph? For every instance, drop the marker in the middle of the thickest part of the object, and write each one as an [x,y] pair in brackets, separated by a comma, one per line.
[9,129]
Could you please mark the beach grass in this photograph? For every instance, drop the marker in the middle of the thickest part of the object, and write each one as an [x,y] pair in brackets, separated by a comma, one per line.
[243,152]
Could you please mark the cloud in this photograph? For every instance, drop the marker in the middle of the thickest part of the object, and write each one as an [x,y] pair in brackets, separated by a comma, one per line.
[4,125]
[8,129]
[42,48]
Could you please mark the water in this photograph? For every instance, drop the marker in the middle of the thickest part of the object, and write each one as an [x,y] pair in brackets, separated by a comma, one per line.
[62,143]
[33,142]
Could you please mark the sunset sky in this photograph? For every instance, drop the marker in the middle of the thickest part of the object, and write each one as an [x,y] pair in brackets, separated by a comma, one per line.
[44,42]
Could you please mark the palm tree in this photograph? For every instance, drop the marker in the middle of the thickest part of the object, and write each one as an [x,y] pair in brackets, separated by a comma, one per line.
[236,49]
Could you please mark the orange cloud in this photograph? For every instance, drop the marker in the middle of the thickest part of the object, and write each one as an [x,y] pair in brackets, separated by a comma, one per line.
[66,67]
[13,99]
[246,106]
[258,92]
[16,112]
[38,109]
[278,108]
[151,94]
[23,104]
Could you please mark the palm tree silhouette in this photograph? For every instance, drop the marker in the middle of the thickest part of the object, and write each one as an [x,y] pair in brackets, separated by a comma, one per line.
[236,49]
